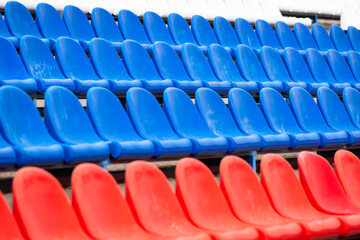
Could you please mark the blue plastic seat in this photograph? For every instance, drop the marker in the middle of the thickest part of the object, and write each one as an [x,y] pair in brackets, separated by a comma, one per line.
[225,33]
[299,71]
[340,68]
[20,22]
[246,34]
[304,37]
[282,120]
[286,36]
[354,36]
[351,100]
[151,123]
[225,69]
[321,70]
[354,63]
[112,124]
[170,66]
[50,23]
[199,68]
[322,37]
[310,118]
[251,69]
[141,67]
[267,35]
[157,30]
[75,64]
[7,154]
[12,70]
[41,64]
[22,126]
[336,115]
[187,122]
[339,38]
[105,27]
[108,65]
[218,119]
[68,123]
[132,29]
[4,32]
[78,25]
[251,120]
[276,70]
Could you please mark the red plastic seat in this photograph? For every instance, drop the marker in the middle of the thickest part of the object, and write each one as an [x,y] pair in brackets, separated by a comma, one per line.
[325,192]
[248,201]
[42,208]
[204,204]
[9,229]
[101,207]
[289,199]
[154,203]
[347,169]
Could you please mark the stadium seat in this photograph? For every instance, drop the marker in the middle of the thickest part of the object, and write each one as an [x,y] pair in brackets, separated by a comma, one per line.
[41,207]
[7,154]
[339,38]
[4,32]
[12,69]
[147,189]
[286,36]
[198,68]
[112,124]
[225,69]
[267,35]
[347,166]
[225,33]
[335,114]
[299,70]
[353,59]
[248,201]
[276,69]
[41,64]
[68,123]
[246,34]
[20,22]
[322,37]
[105,27]
[101,207]
[78,25]
[75,64]
[198,192]
[151,123]
[351,100]
[304,37]
[281,120]
[251,69]
[325,191]
[170,66]
[289,199]
[178,107]
[218,119]
[251,120]
[202,31]
[321,71]
[8,226]
[50,23]
[309,117]
[354,37]
[108,65]
[140,66]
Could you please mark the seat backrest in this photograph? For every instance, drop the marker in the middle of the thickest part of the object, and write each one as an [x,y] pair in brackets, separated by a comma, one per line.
[266,34]
[168,63]
[156,28]
[131,27]
[354,37]
[225,32]
[19,20]
[286,36]
[274,65]
[319,67]
[77,23]
[8,226]
[106,61]
[38,59]
[321,185]
[338,36]
[304,37]
[353,59]
[66,119]
[322,37]
[351,100]
[223,64]
[73,60]
[104,25]
[49,22]
[42,208]
[4,31]
[196,64]
[180,30]
[339,67]
[246,33]
[138,62]
[202,31]
[247,113]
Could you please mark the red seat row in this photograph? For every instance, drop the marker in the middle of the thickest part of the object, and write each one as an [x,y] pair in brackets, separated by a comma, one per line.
[323,204]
